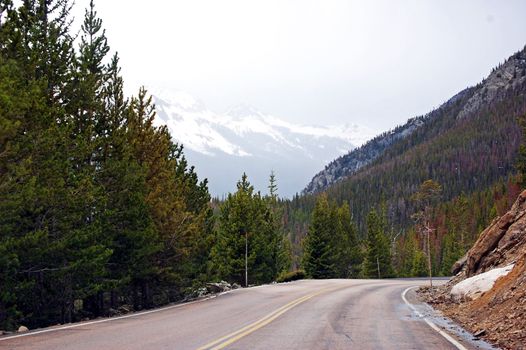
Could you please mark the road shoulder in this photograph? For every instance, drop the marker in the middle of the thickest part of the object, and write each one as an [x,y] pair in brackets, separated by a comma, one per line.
[454,333]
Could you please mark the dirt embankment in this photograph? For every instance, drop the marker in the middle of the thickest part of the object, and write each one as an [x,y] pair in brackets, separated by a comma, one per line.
[498,315]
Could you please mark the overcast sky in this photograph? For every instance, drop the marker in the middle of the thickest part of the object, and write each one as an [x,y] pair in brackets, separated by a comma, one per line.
[374,63]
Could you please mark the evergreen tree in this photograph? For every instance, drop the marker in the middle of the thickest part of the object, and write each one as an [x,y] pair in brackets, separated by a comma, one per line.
[377,262]
[452,250]
[347,245]
[419,264]
[96,202]
[248,233]
[281,249]
[320,257]
[425,198]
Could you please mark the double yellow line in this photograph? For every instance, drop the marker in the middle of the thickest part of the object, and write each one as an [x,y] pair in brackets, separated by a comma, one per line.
[240,333]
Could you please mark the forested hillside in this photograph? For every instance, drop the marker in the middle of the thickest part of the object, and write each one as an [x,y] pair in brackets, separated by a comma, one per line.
[468,145]
[497,87]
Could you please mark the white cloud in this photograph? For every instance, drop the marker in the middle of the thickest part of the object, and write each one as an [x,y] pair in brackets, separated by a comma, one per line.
[367,62]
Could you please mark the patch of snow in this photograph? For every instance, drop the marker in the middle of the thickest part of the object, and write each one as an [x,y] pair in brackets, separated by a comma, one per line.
[473,287]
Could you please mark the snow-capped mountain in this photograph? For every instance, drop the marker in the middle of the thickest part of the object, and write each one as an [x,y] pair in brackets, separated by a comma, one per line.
[224,145]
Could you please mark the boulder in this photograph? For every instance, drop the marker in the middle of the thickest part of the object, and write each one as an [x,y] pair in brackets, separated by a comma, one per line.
[22,329]
[200,292]
[124,309]
[459,265]
[112,312]
[220,287]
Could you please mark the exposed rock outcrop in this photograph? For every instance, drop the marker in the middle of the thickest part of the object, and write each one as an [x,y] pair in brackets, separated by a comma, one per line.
[360,157]
[220,287]
[500,244]
[509,75]
[498,313]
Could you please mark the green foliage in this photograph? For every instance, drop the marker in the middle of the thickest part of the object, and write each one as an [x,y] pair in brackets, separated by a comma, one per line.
[377,262]
[320,257]
[348,249]
[291,276]
[452,250]
[247,225]
[99,207]
[419,266]
[331,248]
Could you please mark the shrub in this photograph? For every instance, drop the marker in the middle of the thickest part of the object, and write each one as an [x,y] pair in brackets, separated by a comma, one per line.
[291,276]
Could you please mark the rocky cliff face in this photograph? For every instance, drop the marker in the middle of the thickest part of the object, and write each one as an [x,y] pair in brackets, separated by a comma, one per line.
[499,314]
[500,244]
[355,160]
[503,79]
[509,75]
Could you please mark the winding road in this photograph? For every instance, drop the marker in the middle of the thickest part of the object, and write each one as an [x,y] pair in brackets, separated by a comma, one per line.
[308,314]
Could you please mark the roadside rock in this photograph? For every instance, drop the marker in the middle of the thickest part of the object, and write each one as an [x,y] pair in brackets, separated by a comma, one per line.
[500,244]
[459,265]
[112,312]
[124,309]
[212,288]
[201,292]
[496,309]
[23,329]
[220,287]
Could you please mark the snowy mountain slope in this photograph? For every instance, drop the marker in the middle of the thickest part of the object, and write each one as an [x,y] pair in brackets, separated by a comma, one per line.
[224,145]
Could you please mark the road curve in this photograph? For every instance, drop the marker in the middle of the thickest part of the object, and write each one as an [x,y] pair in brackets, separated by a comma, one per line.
[308,314]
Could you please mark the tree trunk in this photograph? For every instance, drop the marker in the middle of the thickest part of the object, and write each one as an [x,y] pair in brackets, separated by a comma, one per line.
[429,260]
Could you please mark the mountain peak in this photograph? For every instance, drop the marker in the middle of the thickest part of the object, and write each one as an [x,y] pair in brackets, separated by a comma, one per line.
[248,140]
[181,99]
[244,110]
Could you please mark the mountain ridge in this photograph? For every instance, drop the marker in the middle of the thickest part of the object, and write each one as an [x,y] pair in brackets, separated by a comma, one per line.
[505,77]
[244,139]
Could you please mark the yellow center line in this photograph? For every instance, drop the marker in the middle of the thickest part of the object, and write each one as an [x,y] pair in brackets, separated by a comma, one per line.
[235,336]
[250,325]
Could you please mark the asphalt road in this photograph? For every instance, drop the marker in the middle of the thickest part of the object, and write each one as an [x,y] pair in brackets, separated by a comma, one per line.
[309,314]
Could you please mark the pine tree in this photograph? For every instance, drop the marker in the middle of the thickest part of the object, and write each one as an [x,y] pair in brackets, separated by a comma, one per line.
[281,252]
[425,198]
[59,260]
[407,256]
[452,250]
[419,264]
[377,263]
[273,187]
[96,201]
[320,256]
[247,233]
[349,252]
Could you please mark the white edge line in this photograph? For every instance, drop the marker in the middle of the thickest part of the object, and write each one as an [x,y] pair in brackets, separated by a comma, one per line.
[136,314]
[430,323]
[82,324]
